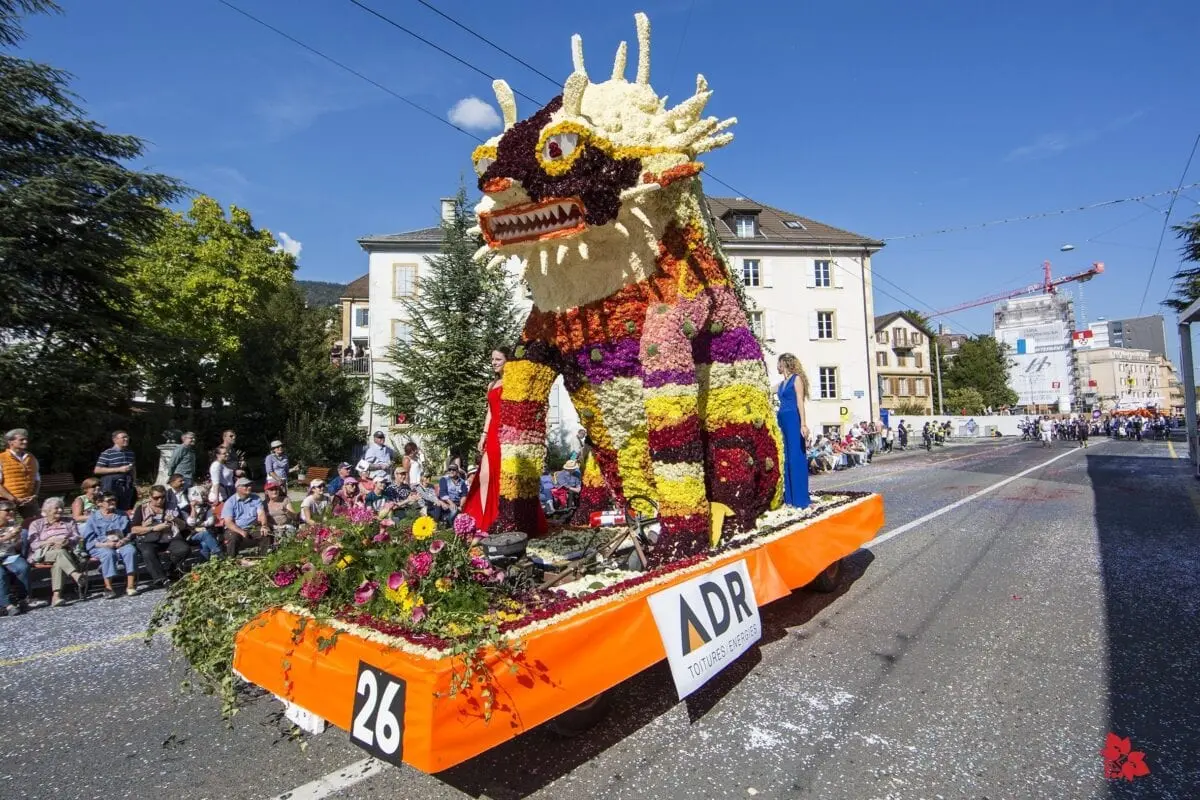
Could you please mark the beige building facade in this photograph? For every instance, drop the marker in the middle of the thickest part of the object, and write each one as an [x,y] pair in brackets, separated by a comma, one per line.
[1123,378]
[901,358]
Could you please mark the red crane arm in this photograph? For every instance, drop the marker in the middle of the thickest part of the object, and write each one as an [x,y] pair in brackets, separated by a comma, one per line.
[1047,285]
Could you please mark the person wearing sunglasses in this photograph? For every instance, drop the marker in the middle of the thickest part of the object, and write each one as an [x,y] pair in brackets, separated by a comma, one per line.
[155,530]
[315,505]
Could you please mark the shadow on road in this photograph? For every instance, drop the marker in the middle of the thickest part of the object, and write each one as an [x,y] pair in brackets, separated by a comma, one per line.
[539,757]
[1148,528]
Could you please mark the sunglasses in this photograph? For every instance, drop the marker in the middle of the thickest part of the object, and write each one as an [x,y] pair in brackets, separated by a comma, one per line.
[318,486]
[158,497]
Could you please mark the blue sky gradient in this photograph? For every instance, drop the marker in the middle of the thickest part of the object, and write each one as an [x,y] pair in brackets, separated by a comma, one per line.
[883,118]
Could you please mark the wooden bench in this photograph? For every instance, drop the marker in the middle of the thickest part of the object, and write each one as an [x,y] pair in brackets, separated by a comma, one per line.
[57,483]
[318,474]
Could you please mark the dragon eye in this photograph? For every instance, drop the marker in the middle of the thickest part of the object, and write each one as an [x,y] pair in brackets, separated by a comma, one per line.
[481,165]
[560,146]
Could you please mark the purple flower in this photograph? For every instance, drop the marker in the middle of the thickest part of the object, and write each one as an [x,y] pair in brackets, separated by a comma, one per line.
[396,580]
[315,586]
[420,564]
[285,576]
[436,546]
[364,592]
[381,537]
[464,525]
[479,562]
[330,554]
[360,514]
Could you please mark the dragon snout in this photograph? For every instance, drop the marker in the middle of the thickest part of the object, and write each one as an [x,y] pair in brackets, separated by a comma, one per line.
[497,185]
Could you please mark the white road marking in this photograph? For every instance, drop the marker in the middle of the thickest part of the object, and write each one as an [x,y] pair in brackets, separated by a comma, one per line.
[335,781]
[908,526]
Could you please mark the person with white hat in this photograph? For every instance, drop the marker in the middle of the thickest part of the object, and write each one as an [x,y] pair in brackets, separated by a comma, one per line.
[276,465]
[315,505]
[245,518]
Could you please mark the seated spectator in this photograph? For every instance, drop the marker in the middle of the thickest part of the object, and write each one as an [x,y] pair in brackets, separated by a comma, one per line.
[200,522]
[11,561]
[85,504]
[335,483]
[350,495]
[107,537]
[401,496]
[567,484]
[177,495]
[316,504]
[546,493]
[52,540]
[158,530]
[246,522]
[452,489]
[435,506]
[281,511]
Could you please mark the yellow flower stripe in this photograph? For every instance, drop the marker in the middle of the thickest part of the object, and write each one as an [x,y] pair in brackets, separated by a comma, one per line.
[514,487]
[724,405]
[634,465]
[520,464]
[526,380]
[680,498]
[585,403]
[665,411]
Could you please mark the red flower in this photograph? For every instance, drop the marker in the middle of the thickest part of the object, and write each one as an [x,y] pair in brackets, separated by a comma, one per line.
[1121,760]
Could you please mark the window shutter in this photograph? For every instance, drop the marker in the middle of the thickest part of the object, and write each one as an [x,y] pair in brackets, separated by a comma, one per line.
[769,326]
[810,280]
[812,325]
[765,272]
[835,272]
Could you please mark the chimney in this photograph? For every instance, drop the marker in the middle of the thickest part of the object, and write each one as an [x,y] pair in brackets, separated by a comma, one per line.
[942,329]
[447,209]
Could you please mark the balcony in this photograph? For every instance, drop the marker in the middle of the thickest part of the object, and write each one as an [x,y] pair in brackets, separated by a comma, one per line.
[358,367]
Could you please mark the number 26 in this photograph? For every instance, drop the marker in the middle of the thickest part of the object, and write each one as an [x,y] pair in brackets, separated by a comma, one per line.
[387,732]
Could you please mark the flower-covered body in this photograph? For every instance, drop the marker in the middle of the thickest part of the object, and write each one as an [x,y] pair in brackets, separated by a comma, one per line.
[633,305]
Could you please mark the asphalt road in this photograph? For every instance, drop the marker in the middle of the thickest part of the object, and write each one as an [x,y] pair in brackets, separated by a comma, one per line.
[984,652]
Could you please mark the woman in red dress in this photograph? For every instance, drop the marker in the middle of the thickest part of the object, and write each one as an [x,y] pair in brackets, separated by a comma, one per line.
[483,499]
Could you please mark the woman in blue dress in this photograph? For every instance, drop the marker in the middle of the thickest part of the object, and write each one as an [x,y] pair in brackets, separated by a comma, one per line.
[793,391]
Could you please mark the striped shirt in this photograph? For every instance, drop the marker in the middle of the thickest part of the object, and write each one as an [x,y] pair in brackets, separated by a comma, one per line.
[115,457]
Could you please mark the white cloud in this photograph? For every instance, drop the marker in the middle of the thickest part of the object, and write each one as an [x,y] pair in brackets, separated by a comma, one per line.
[289,245]
[474,114]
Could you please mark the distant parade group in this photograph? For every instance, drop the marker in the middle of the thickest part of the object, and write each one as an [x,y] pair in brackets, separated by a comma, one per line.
[1079,429]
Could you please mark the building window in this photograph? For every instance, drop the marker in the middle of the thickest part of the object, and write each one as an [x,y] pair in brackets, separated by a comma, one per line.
[751,274]
[881,337]
[794,224]
[404,280]
[755,318]
[824,324]
[894,386]
[361,317]
[917,360]
[822,274]
[918,387]
[900,360]
[902,383]
[881,359]
[744,225]
[914,338]
[401,332]
[827,377]
[900,337]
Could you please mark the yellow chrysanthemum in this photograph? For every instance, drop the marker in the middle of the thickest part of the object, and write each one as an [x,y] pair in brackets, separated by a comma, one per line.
[345,561]
[397,596]
[443,584]
[423,528]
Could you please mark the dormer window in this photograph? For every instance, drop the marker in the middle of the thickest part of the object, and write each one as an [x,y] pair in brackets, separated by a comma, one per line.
[744,225]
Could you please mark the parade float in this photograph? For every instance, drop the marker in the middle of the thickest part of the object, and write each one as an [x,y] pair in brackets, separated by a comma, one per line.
[430,645]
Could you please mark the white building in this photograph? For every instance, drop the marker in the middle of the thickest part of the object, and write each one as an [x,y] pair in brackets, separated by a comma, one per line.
[809,283]
[1038,330]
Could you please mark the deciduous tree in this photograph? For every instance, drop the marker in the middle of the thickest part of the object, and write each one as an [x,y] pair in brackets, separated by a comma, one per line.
[982,364]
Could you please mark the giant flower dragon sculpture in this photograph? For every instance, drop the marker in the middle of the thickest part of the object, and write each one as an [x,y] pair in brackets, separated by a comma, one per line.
[634,305]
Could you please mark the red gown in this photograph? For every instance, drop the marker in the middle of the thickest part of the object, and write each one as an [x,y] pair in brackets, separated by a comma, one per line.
[485,509]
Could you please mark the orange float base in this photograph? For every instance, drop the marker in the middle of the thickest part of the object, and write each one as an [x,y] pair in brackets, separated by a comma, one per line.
[564,664]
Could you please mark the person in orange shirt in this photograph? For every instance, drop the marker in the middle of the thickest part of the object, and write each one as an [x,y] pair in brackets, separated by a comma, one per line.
[20,476]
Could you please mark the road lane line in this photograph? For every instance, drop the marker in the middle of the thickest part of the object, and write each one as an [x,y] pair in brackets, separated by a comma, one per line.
[335,781]
[70,649]
[908,526]
[1171,449]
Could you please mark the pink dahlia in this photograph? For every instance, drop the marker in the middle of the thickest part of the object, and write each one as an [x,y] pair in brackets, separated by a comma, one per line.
[315,586]
[381,537]
[285,576]
[436,546]
[420,564]
[464,525]
[396,580]
[364,592]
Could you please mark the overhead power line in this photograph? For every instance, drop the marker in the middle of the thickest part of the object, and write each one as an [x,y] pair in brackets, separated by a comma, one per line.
[1166,221]
[1040,214]
[440,49]
[347,68]
[489,42]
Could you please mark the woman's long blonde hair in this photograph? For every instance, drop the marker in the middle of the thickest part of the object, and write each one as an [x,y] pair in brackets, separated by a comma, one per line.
[794,367]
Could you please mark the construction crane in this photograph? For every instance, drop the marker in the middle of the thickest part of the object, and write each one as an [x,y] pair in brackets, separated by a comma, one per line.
[1048,285]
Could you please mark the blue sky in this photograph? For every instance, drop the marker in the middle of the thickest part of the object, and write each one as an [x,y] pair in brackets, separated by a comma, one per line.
[880,117]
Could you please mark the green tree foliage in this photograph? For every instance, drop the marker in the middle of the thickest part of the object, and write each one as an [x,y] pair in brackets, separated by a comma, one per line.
[1187,290]
[982,364]
[461,311]
[71,213]
[197,285]
[966,400]
[920,320]
[322,294]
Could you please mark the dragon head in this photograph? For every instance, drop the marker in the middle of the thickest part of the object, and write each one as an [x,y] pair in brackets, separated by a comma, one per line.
[582,190]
